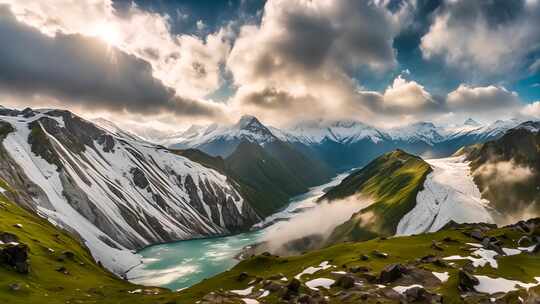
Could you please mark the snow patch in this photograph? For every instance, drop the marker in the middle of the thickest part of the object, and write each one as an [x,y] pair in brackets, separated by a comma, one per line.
[449,194]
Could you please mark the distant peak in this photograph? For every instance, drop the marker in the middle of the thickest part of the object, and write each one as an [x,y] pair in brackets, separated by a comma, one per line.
[248,121]
[471,122]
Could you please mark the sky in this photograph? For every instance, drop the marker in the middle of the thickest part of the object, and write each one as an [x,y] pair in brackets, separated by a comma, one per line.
[164,65]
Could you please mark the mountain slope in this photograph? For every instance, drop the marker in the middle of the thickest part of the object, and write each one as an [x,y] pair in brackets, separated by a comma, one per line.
[392,181]
[395,270]
[507,171]
[271,182]
[53,267]
[118,194]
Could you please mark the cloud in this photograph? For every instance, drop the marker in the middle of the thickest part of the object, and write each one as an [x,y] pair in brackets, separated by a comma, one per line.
[186,63]
[308,52]
[407,95]
[532,110]
[504,172]
[483,100]
[85,72]
[319,220]
[484,37]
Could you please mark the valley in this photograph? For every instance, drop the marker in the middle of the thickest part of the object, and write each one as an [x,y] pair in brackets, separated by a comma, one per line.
[189,221]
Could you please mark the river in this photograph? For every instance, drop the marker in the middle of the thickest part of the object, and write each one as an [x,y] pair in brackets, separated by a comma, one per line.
[179,265]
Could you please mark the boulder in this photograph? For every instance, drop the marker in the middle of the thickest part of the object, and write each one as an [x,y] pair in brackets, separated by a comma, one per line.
[15,256]
[466,281]
[420,295]
[392,273]
[345,282]
[294,285]
[7,237]
[356,269]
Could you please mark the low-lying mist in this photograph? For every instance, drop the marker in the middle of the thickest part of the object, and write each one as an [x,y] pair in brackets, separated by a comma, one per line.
[311,228]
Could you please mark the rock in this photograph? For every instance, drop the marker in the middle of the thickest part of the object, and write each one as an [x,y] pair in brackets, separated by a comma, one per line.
[476,234]
[356,269]
[450,240]
[241,277]
[466,281]
[68,255]
[419,294]
[525,241]
[7,237]
[15,287]
[437,246]
[379,254]
[18,226]
[294,285]
[430,258]
[278,276]
[63,270]
[364,257]
[272,286]
[392,273]
[15,256]
[345,282]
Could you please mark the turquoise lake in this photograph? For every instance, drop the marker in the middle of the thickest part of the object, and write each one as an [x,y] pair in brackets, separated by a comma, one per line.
[179,265]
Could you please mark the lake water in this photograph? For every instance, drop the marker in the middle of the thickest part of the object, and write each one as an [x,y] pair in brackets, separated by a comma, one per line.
[182,264]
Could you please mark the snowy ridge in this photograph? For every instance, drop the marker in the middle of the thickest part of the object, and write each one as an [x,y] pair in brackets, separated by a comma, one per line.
[118,193]
[346,132]
[247,128]
[449,194]
[315,132]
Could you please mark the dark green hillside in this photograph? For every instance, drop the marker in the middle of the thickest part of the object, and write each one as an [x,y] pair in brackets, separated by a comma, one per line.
[271,183]
[507,171]
[392,181]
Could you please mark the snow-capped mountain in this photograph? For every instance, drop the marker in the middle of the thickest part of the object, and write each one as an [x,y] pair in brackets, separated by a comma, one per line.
[342,145]
[345,132]
[118,193]
[221,139]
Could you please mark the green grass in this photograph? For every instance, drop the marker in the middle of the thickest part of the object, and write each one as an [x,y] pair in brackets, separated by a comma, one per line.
[392,181]
[404,250]
[86,282]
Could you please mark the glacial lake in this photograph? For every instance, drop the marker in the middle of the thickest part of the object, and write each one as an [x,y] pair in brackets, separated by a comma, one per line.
[179,265]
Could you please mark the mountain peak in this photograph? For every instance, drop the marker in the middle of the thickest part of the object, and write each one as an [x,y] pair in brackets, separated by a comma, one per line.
[249,122]
[471,122]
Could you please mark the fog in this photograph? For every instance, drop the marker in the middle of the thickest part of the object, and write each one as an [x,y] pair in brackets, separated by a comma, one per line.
[313,225]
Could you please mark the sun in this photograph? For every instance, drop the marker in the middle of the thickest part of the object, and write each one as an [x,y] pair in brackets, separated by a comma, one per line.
[107,32]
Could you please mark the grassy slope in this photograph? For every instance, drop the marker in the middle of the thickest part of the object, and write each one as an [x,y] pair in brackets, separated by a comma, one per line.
[522,267]
[86,282]
[392,181]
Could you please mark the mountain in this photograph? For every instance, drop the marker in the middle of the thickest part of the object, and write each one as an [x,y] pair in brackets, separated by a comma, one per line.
[222,140]
[507,171]
[392,182]
[342,145]
[117,193]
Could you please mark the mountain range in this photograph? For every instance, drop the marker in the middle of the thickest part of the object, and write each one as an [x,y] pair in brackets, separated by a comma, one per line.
[339,145]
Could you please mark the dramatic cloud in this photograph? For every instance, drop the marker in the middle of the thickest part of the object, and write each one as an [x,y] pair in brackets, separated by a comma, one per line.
[307,50]
[84,72]
[535,67]
[483,101]
[189,64]
[485,36]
